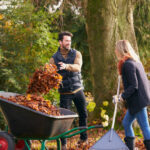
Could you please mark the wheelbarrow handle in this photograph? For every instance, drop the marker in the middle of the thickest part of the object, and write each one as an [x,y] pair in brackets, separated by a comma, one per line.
[95,126]
[99,126]
[82,127]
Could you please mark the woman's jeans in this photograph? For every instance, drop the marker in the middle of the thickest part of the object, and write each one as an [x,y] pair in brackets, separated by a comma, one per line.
[142,119]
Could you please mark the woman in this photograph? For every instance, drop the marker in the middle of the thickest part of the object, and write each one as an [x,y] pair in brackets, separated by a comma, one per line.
[136,92]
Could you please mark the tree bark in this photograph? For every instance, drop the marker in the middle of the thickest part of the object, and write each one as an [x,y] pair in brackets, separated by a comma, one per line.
[106,22]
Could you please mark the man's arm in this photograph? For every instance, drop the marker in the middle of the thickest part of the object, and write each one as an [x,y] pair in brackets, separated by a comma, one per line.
[76,67]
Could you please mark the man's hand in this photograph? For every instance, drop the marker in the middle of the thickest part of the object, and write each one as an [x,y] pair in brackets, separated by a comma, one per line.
[62,65]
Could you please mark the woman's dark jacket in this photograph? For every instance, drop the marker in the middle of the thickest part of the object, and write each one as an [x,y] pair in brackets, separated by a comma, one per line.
[136,86]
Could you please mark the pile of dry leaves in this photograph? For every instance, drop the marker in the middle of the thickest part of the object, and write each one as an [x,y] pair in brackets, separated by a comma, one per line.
[35,102]
[44,79]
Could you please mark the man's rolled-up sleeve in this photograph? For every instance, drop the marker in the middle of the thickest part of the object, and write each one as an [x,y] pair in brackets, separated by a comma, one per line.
[76,67]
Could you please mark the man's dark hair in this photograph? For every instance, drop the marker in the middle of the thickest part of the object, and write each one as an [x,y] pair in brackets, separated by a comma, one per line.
[64,33]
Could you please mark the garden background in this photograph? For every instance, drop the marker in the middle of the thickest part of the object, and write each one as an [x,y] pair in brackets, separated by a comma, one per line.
[28,38]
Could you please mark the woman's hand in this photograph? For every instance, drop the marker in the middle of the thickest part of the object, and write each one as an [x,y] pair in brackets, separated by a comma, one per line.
[117,99]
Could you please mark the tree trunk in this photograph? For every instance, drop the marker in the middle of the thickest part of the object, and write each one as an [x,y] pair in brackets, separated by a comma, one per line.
[106,22]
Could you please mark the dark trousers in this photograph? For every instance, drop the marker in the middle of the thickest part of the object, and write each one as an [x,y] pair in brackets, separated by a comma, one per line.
[80,103]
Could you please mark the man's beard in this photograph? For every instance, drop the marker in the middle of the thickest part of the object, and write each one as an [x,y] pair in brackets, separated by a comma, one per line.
[66,48]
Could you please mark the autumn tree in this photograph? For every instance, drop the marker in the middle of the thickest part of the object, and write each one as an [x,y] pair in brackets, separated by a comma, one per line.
[26,42]
[107,22]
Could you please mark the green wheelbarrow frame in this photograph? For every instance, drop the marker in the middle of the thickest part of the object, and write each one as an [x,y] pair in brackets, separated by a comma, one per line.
[67,134]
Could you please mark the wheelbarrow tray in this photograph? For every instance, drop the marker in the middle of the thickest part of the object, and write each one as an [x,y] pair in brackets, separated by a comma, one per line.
[25,122]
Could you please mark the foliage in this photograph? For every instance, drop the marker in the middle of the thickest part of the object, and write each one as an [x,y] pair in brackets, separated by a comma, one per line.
[90,107]
[25,42]
[53,96]
[103,118]
[142,30]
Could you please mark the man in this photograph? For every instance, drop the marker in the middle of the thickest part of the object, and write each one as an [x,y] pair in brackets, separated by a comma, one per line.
[69,63]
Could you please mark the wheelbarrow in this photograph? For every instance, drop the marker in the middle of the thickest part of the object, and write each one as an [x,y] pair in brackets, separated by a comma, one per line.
[27,124]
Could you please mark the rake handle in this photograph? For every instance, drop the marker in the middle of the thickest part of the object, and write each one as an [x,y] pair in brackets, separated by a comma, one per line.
[115,111]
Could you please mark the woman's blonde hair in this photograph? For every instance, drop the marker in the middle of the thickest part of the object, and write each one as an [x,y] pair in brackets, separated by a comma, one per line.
[125,49]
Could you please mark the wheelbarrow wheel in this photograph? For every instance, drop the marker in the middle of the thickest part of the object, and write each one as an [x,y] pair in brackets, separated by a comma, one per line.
[6,141]
[20,145]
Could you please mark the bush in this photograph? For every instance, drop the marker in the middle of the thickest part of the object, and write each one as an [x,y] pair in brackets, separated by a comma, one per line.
[27,41]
